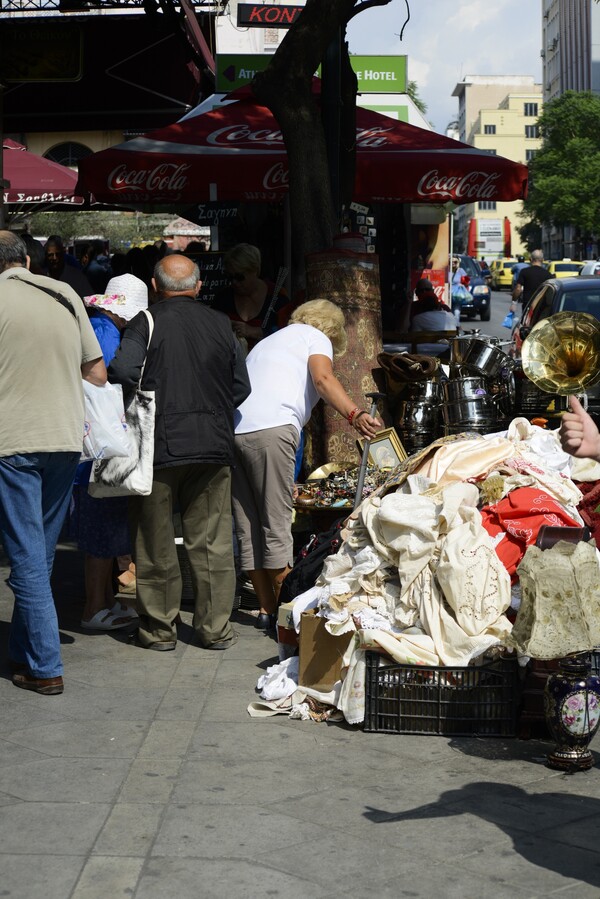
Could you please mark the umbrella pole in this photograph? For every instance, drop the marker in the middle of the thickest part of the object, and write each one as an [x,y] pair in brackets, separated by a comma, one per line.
[214,229]
[3,183]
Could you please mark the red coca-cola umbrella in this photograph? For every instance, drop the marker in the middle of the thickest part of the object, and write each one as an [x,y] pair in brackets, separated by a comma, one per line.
[239,148]
[35,181]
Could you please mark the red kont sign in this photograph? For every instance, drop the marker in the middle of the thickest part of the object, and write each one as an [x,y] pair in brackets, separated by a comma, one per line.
[260,15]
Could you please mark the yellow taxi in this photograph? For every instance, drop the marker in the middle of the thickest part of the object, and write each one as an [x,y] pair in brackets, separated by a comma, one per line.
[501,270]
[565,268]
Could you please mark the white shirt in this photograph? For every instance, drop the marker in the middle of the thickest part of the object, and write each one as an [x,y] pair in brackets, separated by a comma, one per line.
[282,388]
[434,320]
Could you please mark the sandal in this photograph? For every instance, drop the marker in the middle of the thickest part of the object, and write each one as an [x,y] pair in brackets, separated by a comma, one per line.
[108,620]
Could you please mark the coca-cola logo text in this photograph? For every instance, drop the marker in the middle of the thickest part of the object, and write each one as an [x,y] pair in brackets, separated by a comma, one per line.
[243,134]
[168,177]
[236,134]
[276,178]
[472,186]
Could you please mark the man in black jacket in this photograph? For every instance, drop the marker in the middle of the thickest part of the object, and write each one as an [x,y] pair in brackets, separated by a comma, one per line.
[199,377]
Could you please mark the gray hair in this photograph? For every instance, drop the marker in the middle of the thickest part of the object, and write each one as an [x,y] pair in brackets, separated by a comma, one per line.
[165,283]
[537,256]
[13,251]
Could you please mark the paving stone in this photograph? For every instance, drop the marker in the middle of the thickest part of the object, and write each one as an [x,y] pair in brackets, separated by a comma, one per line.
[150,780]
[211,879]
[108,738]
[33,876]
[107,876]
[228,832]
[167,740]
[51,828]
[65,780]
[129,830]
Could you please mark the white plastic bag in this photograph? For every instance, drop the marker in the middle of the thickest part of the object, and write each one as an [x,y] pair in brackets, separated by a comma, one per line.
[105,431]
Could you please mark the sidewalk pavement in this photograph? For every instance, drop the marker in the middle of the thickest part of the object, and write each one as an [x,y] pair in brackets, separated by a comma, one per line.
[148,779]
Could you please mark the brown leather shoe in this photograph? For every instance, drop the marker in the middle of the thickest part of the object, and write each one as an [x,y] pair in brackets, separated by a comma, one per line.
[48,686]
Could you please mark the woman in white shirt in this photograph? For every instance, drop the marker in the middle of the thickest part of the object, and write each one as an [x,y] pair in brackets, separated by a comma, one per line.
[289,371]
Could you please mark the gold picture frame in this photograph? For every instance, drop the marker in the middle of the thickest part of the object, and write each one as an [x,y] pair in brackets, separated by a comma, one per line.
[385,450]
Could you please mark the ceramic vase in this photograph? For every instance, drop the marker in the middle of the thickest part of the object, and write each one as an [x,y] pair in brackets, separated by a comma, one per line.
[572,707]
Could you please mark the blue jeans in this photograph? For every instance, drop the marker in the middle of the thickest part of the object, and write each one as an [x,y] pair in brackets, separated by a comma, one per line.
[35,489]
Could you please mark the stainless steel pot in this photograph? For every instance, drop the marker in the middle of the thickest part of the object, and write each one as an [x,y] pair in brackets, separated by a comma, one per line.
[424,390]
[482,357]
[478,410]
[463,388]
[417,415]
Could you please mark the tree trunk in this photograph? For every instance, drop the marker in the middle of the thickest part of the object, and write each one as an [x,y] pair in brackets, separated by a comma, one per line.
[285,87]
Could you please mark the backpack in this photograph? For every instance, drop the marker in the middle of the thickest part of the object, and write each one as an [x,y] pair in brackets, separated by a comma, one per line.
[308,564]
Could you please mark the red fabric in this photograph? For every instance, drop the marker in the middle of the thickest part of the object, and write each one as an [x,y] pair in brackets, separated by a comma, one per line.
[588,505]
[519,516]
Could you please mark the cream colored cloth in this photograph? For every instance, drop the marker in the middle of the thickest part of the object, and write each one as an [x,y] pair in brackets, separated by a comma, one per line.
[466,459]
[560,601]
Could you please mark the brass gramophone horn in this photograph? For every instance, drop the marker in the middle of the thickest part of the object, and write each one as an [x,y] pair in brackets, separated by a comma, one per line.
[561,354]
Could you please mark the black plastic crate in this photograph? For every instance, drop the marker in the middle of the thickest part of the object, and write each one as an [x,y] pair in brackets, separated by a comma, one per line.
[453,702]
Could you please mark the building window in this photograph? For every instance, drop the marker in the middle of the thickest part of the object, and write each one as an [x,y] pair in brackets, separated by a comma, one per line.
[487,205]
[529,154]
[68,153]
[489,129]
[532,131]
[531,109]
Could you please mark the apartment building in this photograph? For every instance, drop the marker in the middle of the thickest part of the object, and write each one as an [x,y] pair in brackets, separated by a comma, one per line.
[497,114]
[571,61]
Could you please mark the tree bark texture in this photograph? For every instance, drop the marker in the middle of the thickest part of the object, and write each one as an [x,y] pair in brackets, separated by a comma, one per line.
[285,87]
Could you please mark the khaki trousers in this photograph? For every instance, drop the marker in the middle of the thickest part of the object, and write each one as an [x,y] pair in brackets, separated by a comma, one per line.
[202,494]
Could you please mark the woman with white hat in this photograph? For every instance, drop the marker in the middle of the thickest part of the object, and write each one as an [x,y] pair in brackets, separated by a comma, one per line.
[101,525]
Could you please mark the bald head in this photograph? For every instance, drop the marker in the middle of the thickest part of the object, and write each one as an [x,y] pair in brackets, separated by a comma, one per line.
[176,276]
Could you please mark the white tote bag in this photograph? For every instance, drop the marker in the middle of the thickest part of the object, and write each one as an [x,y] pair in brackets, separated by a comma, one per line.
[134,474]
[105,430]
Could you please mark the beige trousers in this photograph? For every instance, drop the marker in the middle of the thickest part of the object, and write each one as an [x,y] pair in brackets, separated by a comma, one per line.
[202,494]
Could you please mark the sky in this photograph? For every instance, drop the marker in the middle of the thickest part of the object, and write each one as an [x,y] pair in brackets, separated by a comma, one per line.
[445,40]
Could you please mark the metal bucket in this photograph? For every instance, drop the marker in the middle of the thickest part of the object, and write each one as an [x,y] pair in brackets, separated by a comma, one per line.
[463,389]
[417,415]
[424,390]
[487,359]
[479,410]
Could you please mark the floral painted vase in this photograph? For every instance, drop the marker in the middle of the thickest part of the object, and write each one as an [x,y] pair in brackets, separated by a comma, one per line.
[572,706]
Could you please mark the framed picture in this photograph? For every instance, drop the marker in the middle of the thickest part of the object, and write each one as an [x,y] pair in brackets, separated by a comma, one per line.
[385,450]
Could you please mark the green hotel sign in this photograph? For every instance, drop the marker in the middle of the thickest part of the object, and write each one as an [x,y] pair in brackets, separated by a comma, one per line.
[375,74]
[380,74]
[237,69]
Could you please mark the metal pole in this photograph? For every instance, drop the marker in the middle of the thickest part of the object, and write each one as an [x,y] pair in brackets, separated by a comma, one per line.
[374,397]
[3,183]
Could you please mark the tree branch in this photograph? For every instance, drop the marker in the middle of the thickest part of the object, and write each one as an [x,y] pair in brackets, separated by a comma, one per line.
[367,4]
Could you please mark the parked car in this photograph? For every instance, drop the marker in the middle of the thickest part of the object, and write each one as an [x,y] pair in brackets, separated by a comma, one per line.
[480,302]
[556,295]
[560,295]
[590,269]
[565,268]
[501,270]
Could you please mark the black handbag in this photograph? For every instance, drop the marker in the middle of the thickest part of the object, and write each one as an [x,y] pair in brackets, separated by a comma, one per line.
[309,562]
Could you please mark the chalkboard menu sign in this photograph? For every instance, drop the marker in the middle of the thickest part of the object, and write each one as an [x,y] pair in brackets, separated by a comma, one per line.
[211,274]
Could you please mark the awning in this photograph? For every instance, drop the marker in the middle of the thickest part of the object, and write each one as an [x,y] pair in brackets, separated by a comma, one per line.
[238,148]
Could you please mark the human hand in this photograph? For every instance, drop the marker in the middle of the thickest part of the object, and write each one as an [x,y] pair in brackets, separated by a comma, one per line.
[240,329]
[367,426]
[578,434]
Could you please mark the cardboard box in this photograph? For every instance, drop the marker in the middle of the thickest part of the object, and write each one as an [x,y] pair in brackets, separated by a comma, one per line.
[321,654]
[287,638]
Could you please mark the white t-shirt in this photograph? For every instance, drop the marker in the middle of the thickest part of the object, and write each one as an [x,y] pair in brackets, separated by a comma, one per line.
[283,392]
[434,320]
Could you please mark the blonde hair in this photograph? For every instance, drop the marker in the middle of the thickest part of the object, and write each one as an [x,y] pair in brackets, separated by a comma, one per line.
[326,317]
[243,257]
